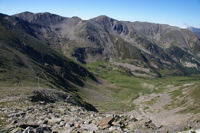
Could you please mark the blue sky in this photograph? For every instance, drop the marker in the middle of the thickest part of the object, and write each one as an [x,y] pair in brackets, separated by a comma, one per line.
[180,13]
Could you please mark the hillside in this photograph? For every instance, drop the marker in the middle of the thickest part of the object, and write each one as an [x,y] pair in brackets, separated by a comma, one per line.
[28,62]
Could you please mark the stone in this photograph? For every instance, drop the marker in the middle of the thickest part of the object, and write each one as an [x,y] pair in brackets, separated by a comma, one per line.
[67,125]
[134,119]
[132,125]
[115,128]
[43,130]
[150,124]
[14,121]
[106,122]
[77,125]
[72,125]
[54,120]
[62,123]
[17,130]
[90,127]
[45,121]
[17,114]
[29,130]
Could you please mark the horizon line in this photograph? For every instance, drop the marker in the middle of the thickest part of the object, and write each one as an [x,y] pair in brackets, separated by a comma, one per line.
[182,27]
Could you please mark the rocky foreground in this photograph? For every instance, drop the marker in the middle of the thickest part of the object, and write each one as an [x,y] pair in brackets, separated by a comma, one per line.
[64,117]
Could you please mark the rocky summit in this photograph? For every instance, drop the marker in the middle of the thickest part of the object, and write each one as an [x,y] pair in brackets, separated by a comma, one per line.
[61,74]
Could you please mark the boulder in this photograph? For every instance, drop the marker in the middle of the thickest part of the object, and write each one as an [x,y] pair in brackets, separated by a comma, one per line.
[106,122]
[43,130]
[29,130]
[150,124]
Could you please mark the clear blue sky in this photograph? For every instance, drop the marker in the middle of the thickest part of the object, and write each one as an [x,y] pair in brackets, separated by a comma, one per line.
[174,12]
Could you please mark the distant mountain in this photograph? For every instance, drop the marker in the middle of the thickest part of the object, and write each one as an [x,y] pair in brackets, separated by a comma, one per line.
[158,47]
[195,30]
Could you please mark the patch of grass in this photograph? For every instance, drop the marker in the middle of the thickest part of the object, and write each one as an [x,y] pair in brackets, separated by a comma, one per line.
[196,93]
[152,101]
[2,119]
[176,93]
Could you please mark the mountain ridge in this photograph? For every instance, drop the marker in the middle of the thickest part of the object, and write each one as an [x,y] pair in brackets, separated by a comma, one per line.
[103,38]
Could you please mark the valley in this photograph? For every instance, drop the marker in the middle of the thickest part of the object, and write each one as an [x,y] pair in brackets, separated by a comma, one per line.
[60,74]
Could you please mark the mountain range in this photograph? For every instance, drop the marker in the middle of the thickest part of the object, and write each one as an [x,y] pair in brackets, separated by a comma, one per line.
[158,47]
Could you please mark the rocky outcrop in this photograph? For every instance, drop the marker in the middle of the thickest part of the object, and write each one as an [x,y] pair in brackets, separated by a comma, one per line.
[52,96]
[48,95]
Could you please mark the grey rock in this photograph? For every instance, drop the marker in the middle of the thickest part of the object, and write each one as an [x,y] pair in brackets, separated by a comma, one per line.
[14,121]
[150,124]
[115,128]
[45,121]
[29,130]
[106,122]
[17,130]
[43,130]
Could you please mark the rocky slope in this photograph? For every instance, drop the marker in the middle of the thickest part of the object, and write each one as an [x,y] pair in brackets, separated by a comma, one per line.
[42,116]
[155,46]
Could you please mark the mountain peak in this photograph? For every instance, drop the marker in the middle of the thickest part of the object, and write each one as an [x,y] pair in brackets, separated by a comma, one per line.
[101,17]
[44,19]
[76,18]
[24,13]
